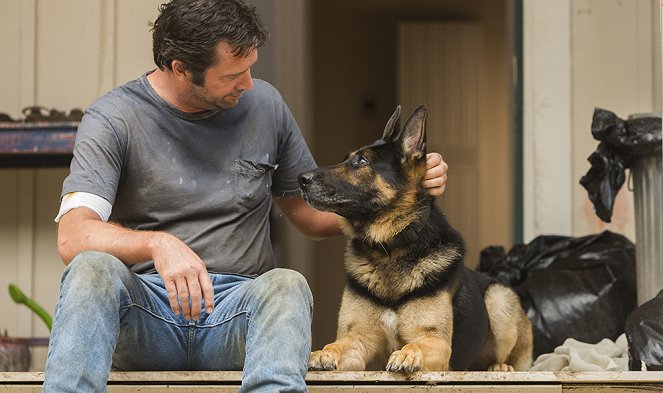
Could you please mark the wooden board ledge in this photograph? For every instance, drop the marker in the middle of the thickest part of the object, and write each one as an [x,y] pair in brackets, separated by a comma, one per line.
[369,377]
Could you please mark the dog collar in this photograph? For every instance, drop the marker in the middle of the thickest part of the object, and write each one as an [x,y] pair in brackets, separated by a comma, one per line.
[407,236]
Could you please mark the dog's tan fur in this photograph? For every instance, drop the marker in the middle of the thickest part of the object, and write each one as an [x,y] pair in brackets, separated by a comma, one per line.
[415,333]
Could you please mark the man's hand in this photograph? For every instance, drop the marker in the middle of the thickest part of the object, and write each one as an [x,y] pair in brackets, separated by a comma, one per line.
[435,180]
[184,274]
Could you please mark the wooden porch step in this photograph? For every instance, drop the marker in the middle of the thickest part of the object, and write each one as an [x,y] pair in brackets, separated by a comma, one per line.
[368,382]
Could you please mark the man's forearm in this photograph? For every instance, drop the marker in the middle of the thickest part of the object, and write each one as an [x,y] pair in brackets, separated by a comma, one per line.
[184,274]
[81,230]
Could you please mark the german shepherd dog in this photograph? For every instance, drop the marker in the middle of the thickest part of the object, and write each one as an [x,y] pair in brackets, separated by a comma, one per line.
[409,302]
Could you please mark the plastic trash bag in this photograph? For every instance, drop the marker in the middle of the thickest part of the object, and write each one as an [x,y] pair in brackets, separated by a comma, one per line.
[644,332]
[623,142]
[581,288]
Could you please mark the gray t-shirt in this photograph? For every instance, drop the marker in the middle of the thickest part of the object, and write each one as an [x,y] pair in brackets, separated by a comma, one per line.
[207,178]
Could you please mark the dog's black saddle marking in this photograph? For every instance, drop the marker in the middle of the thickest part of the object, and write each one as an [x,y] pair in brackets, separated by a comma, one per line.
[470,319]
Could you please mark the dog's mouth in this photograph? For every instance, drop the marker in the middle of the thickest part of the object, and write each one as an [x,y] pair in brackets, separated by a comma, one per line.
[322,195]
[321,198]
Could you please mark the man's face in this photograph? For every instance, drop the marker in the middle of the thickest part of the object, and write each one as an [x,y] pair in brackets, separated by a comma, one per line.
[224,82]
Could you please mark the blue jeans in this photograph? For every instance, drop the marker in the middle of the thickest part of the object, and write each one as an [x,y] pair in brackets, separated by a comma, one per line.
[108,316]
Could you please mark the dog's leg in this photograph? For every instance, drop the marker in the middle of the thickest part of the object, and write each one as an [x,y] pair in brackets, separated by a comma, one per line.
[427,333]
[509,344]
[360,337]
[521,355]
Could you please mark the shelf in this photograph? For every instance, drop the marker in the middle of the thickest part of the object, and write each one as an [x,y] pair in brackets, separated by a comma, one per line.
[39,144]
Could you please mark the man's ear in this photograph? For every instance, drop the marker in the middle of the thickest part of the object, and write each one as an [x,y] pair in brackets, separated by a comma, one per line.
[413,136]
[392,129]
[179,69]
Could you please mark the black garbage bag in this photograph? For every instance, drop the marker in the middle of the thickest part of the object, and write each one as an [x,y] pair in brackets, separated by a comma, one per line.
[604,180]
[582,288]
[623,142]
[644,333]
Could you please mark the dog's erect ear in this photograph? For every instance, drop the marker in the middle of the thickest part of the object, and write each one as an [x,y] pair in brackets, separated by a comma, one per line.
[413,137]
[392,129]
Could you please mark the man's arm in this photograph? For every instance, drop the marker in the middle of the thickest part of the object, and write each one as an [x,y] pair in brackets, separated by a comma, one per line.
[311,222]
[182,271]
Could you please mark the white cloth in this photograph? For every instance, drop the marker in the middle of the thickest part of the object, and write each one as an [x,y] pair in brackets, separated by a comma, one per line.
[84,199]
[575,355]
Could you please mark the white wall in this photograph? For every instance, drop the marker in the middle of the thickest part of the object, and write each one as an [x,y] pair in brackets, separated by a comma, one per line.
[581,54]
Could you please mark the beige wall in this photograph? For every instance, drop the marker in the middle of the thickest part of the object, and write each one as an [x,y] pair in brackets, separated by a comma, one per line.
[581,54]
[57,54]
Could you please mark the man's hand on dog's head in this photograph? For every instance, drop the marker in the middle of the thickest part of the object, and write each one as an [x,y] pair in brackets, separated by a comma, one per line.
[435,180]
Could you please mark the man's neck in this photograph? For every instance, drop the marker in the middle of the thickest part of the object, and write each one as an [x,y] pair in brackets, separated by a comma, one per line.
[168,87]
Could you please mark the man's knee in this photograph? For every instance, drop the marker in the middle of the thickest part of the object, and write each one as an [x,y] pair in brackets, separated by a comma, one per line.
[286,284]
[94,271]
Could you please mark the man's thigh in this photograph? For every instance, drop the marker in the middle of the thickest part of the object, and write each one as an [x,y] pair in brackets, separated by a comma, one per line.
[257,315]
[152,337]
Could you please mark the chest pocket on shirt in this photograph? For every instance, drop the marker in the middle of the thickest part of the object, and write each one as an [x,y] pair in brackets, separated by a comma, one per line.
[253,182]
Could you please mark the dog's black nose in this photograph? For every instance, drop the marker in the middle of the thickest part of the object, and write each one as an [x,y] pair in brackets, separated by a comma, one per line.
[305,178]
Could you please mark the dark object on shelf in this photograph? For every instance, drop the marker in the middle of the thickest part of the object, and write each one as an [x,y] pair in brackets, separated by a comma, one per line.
[44,138]
[34,114]
[582,288]
[623,143]
[644,333]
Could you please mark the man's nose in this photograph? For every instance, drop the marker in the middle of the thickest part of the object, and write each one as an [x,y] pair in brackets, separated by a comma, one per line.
[246,83]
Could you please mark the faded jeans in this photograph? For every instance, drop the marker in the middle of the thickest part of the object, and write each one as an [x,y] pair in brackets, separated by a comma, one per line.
[108,316]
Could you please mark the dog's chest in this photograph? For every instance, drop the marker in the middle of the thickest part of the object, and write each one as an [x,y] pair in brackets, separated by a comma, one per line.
[389,321]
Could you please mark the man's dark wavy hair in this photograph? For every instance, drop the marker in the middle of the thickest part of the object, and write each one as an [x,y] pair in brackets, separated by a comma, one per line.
[190,30]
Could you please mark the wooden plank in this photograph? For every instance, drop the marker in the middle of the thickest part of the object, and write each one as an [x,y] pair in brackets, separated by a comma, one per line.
[312,389]
[372,377]
[20,389]
[369,382]
[598,388]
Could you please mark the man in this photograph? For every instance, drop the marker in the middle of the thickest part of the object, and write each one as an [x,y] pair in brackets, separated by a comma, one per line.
[172,178]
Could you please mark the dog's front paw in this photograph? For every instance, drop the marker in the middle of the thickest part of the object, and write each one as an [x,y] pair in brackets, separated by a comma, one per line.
[323,360]
[405,361]
[501,367]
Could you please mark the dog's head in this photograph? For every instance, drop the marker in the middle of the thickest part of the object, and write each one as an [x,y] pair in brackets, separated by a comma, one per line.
[375,178]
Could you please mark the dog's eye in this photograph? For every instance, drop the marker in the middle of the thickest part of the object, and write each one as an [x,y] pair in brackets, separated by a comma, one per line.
[359,161]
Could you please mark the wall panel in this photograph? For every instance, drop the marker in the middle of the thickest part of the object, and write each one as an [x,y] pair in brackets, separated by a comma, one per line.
[69,38]
[62,54]
[612,69]
[133,38]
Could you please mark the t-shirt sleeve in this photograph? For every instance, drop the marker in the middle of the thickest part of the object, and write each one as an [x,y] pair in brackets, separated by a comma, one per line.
[98,155]
[294,157]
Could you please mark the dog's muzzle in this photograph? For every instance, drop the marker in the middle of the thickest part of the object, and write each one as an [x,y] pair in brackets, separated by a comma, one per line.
[314,189]
[305,179]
